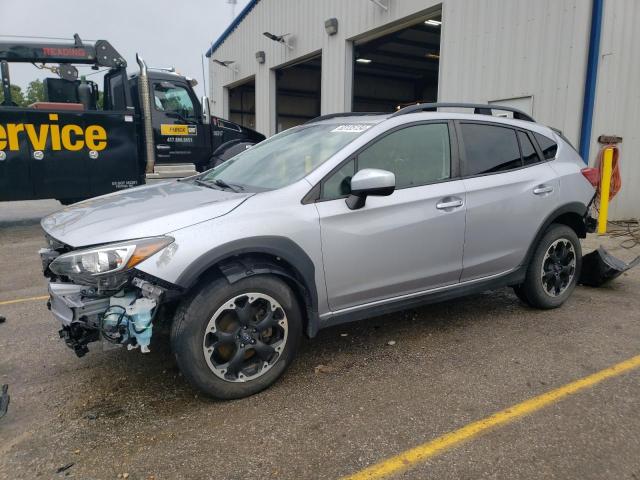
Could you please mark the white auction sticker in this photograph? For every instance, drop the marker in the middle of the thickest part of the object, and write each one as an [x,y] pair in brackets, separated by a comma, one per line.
[351,128]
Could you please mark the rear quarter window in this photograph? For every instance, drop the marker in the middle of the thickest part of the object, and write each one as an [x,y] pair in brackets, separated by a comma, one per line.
[529,154]
[549,147]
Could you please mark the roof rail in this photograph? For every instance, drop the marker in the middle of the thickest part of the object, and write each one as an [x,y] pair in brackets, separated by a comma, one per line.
[343,114]
[478,108]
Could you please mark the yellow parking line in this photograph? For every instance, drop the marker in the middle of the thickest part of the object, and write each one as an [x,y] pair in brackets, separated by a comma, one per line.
[427,450]
[28,299]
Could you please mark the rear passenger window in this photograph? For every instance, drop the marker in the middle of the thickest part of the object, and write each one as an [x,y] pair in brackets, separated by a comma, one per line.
[549,147]
[489,148]
[529,154]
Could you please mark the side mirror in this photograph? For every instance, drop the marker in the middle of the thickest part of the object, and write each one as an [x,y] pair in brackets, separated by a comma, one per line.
[206,110]
[370,181]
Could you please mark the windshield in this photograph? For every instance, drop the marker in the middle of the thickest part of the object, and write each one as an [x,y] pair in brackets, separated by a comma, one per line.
[283,158]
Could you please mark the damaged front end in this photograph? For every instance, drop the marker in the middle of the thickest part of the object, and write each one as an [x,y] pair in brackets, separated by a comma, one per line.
[96,293]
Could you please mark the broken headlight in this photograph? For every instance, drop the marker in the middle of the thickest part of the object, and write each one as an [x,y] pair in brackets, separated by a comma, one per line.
[107,259]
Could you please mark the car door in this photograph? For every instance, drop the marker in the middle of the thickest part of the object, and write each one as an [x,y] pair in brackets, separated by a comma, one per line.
[402,244]
[510,192]
[179,134]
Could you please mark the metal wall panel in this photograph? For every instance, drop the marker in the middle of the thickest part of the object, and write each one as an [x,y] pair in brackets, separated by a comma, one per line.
[490,50]
[304,19]
[503,49]
[617,108]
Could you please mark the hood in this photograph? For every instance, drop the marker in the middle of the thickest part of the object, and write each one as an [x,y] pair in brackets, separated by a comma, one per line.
[145,211]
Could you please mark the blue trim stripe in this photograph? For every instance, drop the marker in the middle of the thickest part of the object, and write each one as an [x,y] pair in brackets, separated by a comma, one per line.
[591,79]
[245,11]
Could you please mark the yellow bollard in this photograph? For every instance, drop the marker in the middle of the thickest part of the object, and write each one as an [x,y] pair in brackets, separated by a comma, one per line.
[605,185]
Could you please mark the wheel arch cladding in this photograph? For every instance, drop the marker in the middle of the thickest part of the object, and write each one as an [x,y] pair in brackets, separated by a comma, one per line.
[571,214]
[257,256]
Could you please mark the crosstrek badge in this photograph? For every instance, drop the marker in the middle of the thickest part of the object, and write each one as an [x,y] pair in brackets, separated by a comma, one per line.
[168,129]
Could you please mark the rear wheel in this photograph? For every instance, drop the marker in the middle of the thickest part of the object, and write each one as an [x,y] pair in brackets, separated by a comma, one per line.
[234,340]
[554,269]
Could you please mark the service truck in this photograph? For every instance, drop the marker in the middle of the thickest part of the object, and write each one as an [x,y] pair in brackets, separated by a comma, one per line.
[69,147]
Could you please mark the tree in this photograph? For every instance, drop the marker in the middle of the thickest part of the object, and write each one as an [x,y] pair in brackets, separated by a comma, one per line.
[35,92]
[100,101]
[17,97]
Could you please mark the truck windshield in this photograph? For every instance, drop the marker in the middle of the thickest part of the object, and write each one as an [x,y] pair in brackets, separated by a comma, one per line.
[283,158]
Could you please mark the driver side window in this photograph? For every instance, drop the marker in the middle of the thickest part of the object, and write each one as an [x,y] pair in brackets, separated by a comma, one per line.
[417,155]
[170,98]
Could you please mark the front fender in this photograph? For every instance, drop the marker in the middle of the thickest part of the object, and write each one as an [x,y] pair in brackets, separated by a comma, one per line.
[224,258]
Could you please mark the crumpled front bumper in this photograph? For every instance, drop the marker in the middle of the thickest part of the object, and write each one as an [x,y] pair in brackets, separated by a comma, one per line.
[124,317]
[68,303]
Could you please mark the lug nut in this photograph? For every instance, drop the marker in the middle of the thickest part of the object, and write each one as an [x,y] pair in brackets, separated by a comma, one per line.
[242,345]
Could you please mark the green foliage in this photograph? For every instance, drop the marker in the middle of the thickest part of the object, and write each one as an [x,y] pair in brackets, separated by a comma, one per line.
[35,92]
[16,96]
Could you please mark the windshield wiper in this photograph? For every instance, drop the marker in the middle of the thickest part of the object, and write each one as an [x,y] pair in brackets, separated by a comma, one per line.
[218,183]
[221,183]
[202,183]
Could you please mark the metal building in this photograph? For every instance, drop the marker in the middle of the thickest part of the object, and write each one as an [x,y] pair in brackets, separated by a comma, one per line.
[572,64]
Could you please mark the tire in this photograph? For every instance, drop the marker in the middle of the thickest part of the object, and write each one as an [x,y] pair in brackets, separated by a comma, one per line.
[225,356]
[519,291]
[554,269]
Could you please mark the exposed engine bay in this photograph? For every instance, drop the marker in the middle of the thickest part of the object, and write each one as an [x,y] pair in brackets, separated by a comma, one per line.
[118,309]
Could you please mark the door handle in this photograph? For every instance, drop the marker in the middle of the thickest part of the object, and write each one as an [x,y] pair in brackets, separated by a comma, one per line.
[542,189]
[163,148]
[450,203]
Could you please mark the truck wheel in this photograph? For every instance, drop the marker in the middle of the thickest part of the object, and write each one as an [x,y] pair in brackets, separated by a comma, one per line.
[70,201]
[234,340]
[212,163]
[554,269]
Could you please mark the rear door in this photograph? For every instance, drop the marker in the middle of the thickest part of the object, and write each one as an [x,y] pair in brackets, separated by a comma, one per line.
[402,244]
[510,192]
[179,134]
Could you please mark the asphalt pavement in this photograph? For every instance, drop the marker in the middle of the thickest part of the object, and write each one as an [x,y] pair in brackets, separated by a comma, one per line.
[387,385]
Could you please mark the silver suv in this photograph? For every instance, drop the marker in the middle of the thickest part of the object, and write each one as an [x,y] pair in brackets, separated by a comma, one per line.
[346,217]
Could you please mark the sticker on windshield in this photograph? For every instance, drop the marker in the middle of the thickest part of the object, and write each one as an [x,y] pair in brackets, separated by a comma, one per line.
[351,128]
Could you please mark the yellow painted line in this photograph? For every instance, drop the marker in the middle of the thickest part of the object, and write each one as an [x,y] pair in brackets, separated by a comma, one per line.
[423,452]
[21,300]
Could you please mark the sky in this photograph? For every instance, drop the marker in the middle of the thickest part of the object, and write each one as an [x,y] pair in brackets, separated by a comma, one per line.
[164,32]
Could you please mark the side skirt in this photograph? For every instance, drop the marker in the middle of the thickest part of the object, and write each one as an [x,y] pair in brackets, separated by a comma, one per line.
[515,277]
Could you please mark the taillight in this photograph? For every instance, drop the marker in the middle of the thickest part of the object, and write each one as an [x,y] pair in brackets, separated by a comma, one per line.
[592,175]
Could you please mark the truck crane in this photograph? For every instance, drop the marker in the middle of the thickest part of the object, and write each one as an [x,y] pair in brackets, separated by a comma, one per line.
[151,125]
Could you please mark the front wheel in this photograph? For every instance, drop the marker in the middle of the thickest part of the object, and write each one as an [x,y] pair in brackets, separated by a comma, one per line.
[554,269]
[234,340]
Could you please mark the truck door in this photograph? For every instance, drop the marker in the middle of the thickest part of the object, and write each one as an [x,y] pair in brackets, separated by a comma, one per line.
[179,134]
